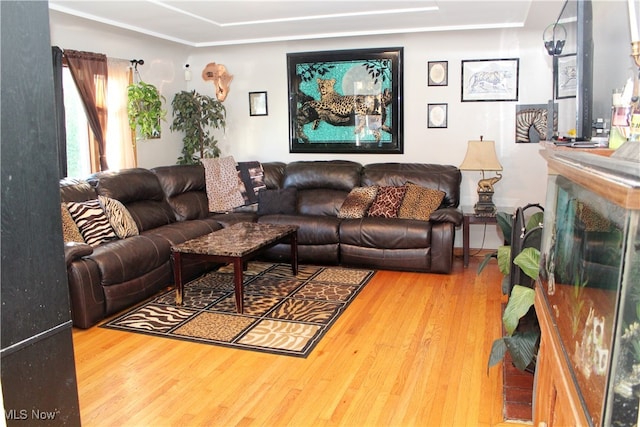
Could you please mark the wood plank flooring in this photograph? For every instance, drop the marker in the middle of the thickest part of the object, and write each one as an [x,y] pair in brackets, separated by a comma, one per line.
[411,350]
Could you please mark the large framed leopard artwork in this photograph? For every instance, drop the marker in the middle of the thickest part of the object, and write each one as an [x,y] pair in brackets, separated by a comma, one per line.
[346,101]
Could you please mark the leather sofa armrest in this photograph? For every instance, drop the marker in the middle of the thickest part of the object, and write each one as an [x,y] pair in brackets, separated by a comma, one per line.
[453,215]
[75,250]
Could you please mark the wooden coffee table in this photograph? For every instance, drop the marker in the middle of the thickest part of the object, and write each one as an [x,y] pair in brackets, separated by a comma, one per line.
[236,244]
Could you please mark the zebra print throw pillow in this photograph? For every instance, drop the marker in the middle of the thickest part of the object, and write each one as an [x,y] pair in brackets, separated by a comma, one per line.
[119,217]
[92,221]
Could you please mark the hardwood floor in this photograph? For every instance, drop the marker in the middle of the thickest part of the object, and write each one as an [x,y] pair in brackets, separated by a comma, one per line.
[411,350]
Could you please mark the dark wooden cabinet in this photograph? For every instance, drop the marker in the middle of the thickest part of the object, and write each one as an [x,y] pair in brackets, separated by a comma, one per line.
[37,360]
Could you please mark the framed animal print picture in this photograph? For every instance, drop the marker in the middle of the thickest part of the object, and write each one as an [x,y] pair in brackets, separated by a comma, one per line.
[532,122]
[347,101]
[565,75]
[490,79]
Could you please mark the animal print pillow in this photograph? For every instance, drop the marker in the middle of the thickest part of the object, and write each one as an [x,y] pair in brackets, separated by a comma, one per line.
[119,217]
[420,202]
[387,202]
[358,202]
[92,221]
[70,231]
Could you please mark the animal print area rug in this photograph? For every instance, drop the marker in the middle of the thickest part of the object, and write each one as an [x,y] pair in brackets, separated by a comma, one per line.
[283,314]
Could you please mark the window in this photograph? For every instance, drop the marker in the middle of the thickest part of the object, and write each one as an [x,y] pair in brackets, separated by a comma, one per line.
[120,152]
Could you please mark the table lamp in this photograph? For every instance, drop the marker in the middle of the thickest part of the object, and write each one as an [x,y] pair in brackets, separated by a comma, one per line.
[481,156]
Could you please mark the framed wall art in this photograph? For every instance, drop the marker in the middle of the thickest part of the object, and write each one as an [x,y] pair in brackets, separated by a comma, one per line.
[437,115]
[347,101]
[532,122]
[437,73]
[258,104]
[565,75]
[490,79]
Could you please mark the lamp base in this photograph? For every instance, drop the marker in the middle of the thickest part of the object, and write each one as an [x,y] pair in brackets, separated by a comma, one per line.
[485,205]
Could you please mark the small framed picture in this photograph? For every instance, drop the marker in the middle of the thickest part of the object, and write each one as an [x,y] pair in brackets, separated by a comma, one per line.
[437,73]
[258,104]
[565,75]
[490,79]
[437,115]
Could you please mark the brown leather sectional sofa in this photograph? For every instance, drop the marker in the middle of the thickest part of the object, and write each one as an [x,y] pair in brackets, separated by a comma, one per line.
[169,205]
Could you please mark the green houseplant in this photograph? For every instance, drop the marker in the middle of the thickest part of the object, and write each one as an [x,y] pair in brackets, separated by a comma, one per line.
[519,318]
[144,108]
[195,115]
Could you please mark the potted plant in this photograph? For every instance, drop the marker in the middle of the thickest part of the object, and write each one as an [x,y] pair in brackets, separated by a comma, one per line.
[144,108]
[195,115]
[519,318]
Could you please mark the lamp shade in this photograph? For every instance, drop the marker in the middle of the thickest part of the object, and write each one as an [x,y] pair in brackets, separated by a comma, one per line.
[481,156]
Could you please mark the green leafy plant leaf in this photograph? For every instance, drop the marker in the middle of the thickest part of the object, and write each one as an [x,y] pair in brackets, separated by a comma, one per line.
[529,261]
[534,221]
[505,221]
[504,259]
[519,303]
[498,350]
[485,261]
[522,348]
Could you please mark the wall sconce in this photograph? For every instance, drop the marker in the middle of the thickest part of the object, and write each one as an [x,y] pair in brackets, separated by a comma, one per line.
[481,156]
[554,38]
[187,73]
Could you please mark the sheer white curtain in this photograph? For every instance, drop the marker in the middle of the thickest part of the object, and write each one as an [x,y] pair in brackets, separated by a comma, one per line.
[120,149]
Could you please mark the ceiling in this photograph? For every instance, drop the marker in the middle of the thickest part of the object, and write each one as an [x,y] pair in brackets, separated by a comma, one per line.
[217,23]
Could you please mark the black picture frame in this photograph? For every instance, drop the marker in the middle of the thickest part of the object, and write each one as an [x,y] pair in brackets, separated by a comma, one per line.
[357,110]
[258,104]
[437,73]
[490,80]
[565,75]
[437,116]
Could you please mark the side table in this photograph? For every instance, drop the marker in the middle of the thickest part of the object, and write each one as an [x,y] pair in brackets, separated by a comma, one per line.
[471,218]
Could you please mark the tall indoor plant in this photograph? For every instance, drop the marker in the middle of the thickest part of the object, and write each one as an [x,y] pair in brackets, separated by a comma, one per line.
[195,115]
[144,108]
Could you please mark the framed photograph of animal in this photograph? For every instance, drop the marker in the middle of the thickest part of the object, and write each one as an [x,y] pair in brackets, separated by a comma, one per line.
[346,101]
[490,79]
[565,75]
[532,122]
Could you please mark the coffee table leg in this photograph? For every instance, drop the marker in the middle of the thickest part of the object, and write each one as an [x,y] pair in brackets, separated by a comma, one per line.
[237,279]
[294,253]
[177,276]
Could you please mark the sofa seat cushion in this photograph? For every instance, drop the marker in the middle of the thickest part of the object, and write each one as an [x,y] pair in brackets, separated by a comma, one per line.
[385,233]
[313,229]
[123,260]
[180,232]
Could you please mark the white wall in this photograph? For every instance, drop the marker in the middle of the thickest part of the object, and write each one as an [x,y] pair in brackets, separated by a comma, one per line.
[262,67]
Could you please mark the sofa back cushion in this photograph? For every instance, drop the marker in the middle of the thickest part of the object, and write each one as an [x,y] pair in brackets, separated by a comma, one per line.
[322,185]
[274,174]
[332,174]
[76,190]
[185,189]
[140,192]
[445,178]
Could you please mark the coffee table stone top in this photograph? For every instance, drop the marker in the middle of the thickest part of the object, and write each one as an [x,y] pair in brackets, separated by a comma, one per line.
[236,240]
